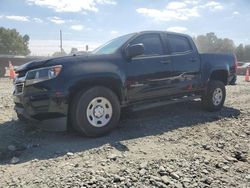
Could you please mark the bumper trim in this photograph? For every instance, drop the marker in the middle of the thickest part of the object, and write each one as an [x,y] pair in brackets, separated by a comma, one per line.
[23,113]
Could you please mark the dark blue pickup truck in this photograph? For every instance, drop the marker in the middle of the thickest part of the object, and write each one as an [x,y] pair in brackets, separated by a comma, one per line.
[139,70]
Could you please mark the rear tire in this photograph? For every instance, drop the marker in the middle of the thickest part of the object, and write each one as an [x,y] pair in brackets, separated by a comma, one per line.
[95,112]
[214,98]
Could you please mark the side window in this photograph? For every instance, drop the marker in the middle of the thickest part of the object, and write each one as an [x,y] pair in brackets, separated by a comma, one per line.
[178,44]
[152,44]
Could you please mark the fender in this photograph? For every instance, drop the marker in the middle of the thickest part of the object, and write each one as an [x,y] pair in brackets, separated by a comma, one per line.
[105,74]
[219,67]
[215,63]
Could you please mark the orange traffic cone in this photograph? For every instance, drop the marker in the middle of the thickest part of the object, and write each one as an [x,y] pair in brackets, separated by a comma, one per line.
[12,72]
[247,75]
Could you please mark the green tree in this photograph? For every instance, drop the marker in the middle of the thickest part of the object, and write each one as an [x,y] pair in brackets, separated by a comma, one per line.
[210,43]
[13,43]
[240,52]
[26,39]
[247,53]
[227,45]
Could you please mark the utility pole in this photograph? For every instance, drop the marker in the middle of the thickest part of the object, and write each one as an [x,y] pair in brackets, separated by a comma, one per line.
[61,42]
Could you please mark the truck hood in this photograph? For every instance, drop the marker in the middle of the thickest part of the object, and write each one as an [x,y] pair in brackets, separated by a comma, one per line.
[30,65]
[61,60]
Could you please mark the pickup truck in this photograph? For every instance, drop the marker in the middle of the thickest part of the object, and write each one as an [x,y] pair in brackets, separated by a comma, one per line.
[136,71]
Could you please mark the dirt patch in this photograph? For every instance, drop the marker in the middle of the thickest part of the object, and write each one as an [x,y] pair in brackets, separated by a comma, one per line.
[176,146]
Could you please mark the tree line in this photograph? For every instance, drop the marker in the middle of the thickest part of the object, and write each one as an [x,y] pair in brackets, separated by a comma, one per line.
[13,43]
[210,43]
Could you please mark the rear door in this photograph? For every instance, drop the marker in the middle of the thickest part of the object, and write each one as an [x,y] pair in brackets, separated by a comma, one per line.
[148,75]
[186,63]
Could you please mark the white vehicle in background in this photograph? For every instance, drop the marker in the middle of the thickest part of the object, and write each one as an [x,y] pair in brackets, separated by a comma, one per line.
[242,68]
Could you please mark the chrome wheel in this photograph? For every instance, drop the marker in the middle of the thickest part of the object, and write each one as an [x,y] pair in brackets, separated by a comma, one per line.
[99,112]
[217,96]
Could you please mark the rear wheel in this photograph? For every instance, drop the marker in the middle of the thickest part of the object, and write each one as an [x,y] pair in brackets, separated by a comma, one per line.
[95,112]
[214,98]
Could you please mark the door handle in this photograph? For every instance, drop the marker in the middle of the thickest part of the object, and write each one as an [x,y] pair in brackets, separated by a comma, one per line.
[165,61]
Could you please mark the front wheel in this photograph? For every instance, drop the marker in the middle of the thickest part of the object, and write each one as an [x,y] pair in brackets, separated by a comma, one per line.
[95,112]
[214,98]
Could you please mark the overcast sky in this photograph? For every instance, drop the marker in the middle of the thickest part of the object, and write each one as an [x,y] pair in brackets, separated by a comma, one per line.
[96,21]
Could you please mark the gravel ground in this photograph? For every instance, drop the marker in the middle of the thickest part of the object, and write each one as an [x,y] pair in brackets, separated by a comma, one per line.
[179,145]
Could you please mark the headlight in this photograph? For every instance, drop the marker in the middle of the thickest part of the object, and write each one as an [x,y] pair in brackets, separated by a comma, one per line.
[42,74]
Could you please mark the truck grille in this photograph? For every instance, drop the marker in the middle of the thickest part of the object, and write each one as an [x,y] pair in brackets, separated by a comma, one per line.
[18,89]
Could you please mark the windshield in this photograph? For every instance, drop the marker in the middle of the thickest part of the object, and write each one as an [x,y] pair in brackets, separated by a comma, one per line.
[113,45]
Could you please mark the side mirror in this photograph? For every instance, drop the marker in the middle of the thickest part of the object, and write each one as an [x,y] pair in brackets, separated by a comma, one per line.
[134,50]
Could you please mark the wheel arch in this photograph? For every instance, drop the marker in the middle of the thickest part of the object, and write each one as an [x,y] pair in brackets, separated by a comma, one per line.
[219,75]
[109,82]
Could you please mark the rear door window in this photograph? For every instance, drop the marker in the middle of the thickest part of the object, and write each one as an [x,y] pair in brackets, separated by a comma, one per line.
[178,44]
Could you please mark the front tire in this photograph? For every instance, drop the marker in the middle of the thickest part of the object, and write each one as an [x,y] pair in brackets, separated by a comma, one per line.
[214,98]
[95,112]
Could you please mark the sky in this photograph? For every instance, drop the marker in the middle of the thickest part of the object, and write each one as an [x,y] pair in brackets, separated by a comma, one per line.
[94,22]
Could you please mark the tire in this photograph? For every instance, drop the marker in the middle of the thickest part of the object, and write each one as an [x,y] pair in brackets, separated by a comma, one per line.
[214,98]
[95,112]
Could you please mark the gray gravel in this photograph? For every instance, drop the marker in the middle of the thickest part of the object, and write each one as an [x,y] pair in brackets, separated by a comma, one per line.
[176,146]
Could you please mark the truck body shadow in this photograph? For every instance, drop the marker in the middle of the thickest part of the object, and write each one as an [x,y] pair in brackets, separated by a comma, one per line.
[34,143]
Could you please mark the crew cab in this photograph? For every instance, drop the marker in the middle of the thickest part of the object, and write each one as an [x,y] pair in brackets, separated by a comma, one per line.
[139,70]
